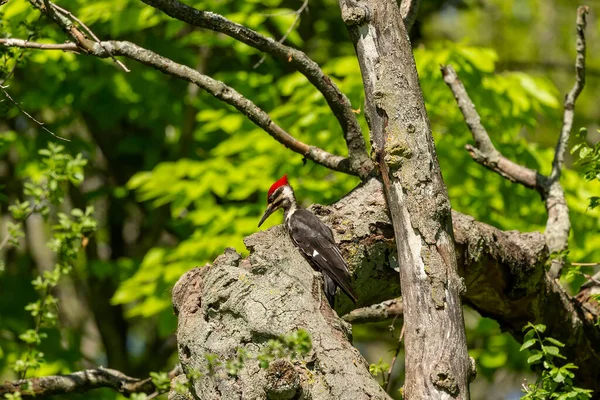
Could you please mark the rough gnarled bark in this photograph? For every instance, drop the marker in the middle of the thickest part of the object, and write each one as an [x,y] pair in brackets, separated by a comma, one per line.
[237,303]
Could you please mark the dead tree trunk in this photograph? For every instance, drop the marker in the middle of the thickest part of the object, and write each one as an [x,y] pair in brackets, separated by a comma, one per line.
[437,362]
[237,303]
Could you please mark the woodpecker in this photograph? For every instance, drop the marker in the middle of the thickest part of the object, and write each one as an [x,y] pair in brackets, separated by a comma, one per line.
[312,237]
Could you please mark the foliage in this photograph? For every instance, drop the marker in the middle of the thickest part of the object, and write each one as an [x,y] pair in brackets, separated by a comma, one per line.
[46,190]
[293,345]
[381,368]
[176,176]
[589,160]
[55,171]
[555,380]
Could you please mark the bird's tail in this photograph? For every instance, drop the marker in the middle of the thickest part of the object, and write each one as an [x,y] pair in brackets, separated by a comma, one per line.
[329,287]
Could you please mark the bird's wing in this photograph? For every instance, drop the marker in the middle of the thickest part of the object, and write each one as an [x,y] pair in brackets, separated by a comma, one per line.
[315,240]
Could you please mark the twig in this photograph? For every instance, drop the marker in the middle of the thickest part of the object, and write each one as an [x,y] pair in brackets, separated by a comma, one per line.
[389,374]
[360,162]
[219,90]
[13,69]
[25,44]
[90,32]
[591,278]
[41,124]
[484,151]
[287,33]
[585,264]
[376,312]
[409,10]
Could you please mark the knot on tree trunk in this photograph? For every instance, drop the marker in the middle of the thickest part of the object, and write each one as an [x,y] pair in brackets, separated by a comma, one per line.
[283,381]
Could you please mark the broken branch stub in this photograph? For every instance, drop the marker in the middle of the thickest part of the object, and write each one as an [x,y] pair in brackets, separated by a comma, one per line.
[240,303]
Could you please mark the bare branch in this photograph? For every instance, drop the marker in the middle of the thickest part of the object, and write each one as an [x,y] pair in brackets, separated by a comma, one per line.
[558,225]
[45,7]
[26,44]
[65,19]
[409,10]
[77,382]
[388,381]
[376,312]
[571,97]
[484,151]
[360,162]
[40,124]
[217,89]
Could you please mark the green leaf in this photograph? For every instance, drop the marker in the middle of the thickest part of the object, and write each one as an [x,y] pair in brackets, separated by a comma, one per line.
[554,341]
[528,344]
[584,152]
[534,358]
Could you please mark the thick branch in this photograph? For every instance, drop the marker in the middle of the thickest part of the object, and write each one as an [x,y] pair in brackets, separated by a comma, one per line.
[79,382]
[376,312]
[558,224]
[484,151]
[338,102]
[569,104]
[238,305]
[409,10]
[212,86]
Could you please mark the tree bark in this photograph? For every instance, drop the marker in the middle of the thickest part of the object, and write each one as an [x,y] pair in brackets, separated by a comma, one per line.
[437,361]
[237,303]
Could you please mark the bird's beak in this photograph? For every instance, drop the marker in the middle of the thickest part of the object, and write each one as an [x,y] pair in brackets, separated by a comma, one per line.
[268,212]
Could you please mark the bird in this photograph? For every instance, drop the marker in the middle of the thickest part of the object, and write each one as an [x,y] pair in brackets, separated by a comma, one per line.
[312,237]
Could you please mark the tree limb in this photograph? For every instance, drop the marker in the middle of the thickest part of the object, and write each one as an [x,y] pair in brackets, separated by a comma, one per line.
[359,160]
[78,382]
[376,312]
[569,104]
[558,224]
[216,88]
[484,151]
[503,273]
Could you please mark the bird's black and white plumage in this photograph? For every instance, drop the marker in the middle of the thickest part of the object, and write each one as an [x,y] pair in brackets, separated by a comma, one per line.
[313,238]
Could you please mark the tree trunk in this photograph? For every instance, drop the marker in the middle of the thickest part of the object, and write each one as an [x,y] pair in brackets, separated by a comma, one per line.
[437,361]
[237,303]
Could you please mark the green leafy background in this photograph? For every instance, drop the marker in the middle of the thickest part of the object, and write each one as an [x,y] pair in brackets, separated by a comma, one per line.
[176,176]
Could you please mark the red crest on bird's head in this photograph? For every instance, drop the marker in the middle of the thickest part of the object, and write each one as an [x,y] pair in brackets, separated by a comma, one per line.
[281,182]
